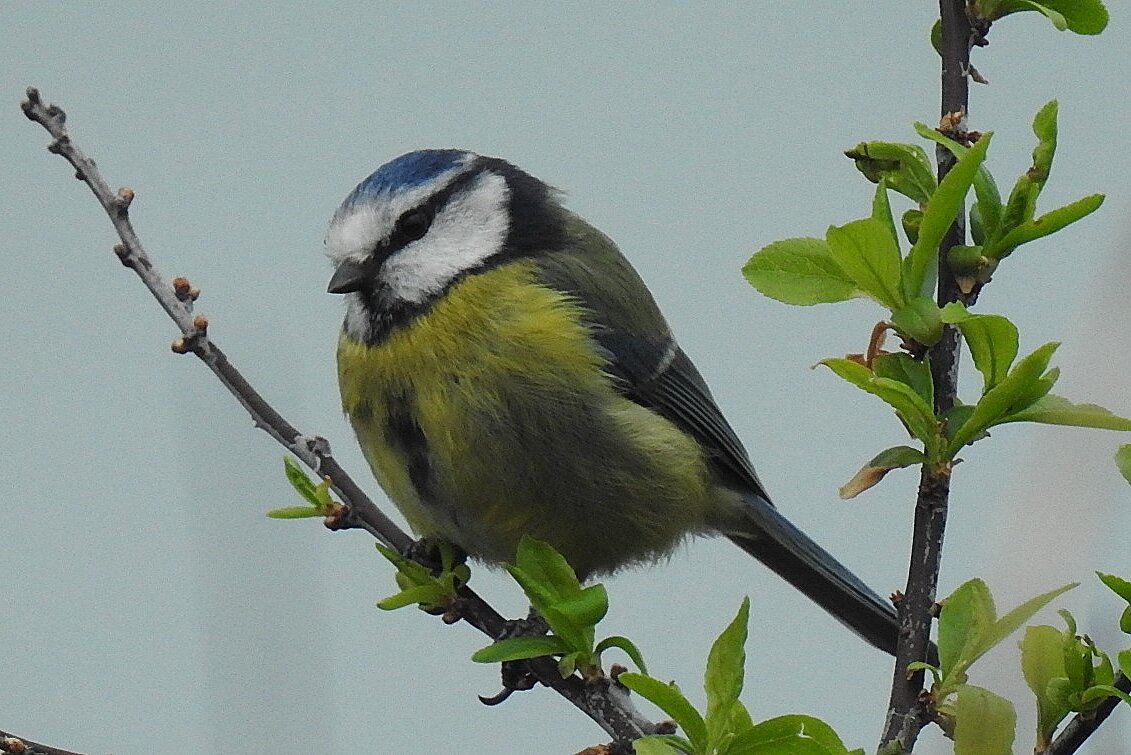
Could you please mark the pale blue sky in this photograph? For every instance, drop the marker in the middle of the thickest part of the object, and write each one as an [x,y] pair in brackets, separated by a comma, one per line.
[150,606]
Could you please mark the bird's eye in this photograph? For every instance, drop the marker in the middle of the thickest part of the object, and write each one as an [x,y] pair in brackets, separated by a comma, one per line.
[414,223]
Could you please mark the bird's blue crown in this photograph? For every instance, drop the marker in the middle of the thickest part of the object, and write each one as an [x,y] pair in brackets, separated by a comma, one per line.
[408,170]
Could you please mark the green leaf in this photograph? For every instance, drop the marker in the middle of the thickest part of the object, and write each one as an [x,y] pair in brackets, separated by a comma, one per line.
[787,735]
[1049,223]
[1125,663]
[586,607]
[545,566]
[661,744]
[294,512]
[871,473]
[904,368]
[966,617]
[866,251]
[422,595]
[919,320]
[725,670]
[1056,410]
[988,205]
[992,340]
[626,645]
[519,648]
[938,215]
[1003,398]
[881,209]
[1013,620]
[969,627]
[1042,661]
[984,723]
[1122,588]
[904,167]
[668,698]
[1079,16]
[916,413]
[1123,461]
[799,271]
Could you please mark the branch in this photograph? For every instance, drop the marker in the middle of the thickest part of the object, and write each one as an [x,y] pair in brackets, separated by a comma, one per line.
[603,701]
[1081,727]
[10,744]
[907,715]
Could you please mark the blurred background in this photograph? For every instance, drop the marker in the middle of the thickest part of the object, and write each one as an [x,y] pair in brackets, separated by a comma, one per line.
[150,606]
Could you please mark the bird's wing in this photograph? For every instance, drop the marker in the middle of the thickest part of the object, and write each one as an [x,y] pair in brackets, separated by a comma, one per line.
[649,366]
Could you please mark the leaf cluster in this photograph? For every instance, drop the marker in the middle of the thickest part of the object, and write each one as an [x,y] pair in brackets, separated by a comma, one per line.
[863,258]
[726,727]
[571,611]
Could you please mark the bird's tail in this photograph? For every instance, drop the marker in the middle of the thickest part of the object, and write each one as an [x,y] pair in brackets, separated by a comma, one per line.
[778,544]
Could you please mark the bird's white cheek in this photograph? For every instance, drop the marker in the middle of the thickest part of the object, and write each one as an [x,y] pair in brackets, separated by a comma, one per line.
[469,230]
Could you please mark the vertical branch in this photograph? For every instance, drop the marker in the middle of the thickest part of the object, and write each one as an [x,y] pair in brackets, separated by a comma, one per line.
[906,714]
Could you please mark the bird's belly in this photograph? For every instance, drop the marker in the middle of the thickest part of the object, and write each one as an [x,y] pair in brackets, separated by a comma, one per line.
[513,428]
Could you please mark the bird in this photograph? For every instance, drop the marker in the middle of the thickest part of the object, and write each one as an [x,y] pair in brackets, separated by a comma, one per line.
[507,372]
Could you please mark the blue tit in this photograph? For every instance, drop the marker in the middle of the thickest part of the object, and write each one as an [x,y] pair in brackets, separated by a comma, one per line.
[508,373]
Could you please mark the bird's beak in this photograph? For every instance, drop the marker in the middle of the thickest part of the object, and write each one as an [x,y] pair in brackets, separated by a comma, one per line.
[350,276]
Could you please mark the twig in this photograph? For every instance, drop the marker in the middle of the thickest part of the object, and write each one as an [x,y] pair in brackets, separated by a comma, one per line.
[1081,727]
[10,744]
[604,702]
[907,713]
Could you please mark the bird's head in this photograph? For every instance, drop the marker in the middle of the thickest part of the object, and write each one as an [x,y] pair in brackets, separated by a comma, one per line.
[422,221]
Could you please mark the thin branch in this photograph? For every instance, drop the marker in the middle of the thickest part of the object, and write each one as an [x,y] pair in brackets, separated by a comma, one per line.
[604,701]
[10,744]
[907,711]
[1081,727]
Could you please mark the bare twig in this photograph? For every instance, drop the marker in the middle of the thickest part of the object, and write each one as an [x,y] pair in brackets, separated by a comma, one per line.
[907,711]
[604,701]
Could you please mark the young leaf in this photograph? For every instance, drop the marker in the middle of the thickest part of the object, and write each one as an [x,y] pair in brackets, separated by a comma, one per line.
[881,209]
[294,512]
[866,251]
[789,735]
[1056,410]
[904,167]
[918,415]
[799,271]
[984,723]
[519,648]
[1122,588]
[871,473]
[919,320]
[1009,623]
[988,205]
[725,670]
[1123,460]
[1000,400]
[1079,16]
[939,214]
[904,368]
[668,698]
[625,644]
[992,340]
[966,617]
[1042,661]
[1049,223]
[661,744]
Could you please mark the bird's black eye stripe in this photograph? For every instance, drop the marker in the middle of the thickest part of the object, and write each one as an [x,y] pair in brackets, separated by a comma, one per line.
[414,223]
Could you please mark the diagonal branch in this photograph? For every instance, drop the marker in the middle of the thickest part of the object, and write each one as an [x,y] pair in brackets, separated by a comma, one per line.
[603,701]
